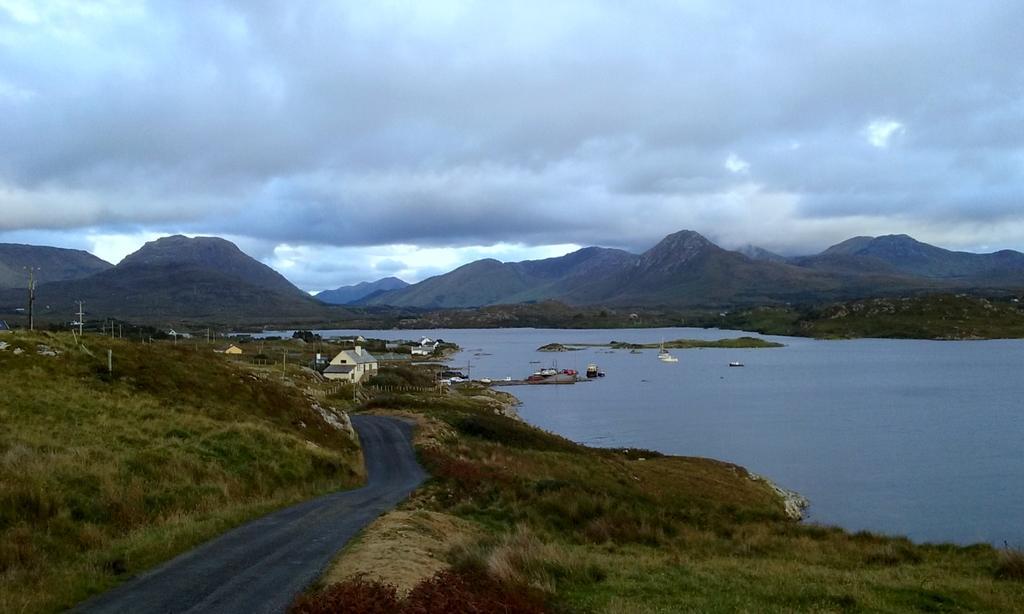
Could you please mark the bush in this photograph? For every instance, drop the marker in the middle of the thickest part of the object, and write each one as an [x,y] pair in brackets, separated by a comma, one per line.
[447,592]
[1011,565]
[354,596]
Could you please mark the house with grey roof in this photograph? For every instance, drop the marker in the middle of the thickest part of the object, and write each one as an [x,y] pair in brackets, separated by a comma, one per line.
[353,365]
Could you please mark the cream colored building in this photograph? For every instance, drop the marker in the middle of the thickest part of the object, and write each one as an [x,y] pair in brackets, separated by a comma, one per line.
[351,365]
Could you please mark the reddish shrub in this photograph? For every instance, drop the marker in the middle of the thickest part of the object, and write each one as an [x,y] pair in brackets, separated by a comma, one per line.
[447,592]
[354,596]
[470,592]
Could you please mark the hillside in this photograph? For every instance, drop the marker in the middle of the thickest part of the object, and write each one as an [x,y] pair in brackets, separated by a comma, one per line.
[350,294]
[204,279]
[210,254]
[907,256]
[51,264]
[104,475]
[938,316]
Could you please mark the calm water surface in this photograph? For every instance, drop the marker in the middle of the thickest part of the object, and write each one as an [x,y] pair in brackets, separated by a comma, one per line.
[920,438]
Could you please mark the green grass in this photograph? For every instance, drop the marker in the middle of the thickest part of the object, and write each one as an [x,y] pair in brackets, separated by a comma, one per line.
[103,475]
[635,531]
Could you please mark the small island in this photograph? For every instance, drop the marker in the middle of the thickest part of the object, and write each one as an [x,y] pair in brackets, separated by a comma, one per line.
[687,344]
[557,347]
[677,344]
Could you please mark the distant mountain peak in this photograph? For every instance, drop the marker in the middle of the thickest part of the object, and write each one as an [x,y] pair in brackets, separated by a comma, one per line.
[755,252]
[678,248]
[350,294]
[210,253]
[179,248]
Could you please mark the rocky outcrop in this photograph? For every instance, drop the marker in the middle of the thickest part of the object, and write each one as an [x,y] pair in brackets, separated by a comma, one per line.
[793,502]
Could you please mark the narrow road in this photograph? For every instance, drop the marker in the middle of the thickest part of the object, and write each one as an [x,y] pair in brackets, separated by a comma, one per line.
[261,566]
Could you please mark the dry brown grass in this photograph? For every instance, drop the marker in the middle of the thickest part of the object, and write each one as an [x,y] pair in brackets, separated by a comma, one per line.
[403,548]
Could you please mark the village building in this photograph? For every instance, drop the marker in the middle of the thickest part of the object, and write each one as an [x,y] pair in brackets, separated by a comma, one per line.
[353,365]
[231,349]
[426,347]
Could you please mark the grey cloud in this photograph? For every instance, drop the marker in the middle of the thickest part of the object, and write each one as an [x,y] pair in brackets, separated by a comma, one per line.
[312,123]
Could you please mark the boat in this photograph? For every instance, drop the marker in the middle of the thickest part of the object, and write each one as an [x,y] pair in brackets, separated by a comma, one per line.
[735,364]
[592,370]
[664,356]
[635,352]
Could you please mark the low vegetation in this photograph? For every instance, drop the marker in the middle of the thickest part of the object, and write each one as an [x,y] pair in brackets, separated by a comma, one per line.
[595,530]
[103,474]
[942,316]
[687,344]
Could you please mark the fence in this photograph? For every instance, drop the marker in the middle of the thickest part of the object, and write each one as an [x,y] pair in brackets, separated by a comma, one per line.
[361,392]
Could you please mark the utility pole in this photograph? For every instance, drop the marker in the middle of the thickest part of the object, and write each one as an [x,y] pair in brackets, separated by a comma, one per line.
[284,364]
[81,315]
[31,298]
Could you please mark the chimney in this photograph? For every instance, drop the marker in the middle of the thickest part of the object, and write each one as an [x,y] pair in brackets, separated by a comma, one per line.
[359,350]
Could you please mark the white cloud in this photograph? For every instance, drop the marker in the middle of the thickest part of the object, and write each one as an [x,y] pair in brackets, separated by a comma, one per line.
[317,268]
[736,164]
[113,247]
[879,132]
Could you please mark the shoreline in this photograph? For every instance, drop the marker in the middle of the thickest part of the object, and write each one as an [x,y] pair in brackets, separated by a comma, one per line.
[793,503]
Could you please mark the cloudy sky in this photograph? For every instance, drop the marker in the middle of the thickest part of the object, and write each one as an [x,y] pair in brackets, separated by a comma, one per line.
[346,141]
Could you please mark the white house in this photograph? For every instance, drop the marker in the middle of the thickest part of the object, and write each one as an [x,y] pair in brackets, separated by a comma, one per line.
[351,365]
[425,348]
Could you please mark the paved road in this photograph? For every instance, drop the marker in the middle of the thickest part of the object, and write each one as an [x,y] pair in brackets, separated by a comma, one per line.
[261,566]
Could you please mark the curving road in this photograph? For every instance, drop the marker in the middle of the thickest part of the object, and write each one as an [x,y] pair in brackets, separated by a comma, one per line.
[261,566]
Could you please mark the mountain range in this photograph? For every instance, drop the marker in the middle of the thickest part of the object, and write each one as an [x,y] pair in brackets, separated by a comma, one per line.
[209,279]
[346,295]
[687,270]
[204,278]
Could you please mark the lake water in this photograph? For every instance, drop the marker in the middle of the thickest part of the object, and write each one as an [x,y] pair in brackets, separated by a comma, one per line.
[918,438]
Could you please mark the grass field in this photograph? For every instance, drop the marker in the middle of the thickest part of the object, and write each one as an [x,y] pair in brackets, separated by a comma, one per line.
[105,474]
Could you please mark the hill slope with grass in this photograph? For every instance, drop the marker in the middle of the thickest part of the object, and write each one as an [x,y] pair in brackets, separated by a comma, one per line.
[103,475]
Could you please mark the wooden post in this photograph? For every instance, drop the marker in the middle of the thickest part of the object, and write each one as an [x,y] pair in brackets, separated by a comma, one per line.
[110,361]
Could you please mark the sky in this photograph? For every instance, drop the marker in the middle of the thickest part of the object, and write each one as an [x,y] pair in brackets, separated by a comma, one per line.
[346,141]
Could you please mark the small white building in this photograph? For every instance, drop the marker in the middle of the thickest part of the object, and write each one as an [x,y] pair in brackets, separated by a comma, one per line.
[426,347]
[351,366]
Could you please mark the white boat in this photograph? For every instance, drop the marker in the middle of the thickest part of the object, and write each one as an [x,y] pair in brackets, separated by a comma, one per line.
[735,363]
[664,356]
